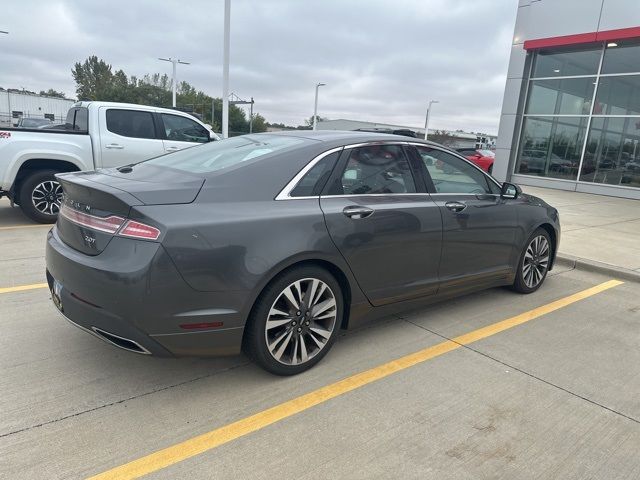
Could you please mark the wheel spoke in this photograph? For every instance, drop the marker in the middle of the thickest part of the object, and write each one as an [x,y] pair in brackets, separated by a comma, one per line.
[327,304]
[304,356]
[287,339]
[323,333]
[288,293]
[277,323]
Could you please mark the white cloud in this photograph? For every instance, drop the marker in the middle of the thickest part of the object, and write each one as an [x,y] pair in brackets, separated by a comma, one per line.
[382,60]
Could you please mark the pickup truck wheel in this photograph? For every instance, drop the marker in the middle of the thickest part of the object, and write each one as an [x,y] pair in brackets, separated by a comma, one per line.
[40,196]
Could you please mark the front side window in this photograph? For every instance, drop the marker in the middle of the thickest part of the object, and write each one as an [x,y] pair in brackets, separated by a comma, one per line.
[182,129]
[451,174]
[374,170]
[130,123]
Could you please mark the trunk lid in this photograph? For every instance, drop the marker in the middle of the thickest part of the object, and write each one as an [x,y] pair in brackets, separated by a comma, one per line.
[96,204]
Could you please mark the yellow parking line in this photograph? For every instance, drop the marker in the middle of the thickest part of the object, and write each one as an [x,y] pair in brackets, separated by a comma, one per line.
[15,227]
[22,288]
[207,441]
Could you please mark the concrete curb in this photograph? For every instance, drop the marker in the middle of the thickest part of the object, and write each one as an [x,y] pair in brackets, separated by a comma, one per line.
[578,263]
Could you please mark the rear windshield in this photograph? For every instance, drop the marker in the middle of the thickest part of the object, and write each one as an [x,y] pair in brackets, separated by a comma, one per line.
[226,153]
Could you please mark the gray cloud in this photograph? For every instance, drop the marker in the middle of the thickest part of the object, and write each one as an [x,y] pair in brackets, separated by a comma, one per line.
[382,60]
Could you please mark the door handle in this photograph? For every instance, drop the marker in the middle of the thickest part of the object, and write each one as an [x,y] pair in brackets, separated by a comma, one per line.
[172,149]
[455,207]
[356,212]
[114,146]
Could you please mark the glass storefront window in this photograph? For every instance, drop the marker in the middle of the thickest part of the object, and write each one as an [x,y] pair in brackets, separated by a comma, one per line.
[624,57]
[570,96]
[618,95]
[551,146]
[561,104]
[612,155]
[567,62]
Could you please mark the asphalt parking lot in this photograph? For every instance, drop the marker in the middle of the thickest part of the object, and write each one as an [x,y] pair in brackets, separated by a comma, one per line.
[491,385]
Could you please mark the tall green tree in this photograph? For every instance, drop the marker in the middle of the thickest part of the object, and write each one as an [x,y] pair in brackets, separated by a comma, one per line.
[53,93]
[93,78]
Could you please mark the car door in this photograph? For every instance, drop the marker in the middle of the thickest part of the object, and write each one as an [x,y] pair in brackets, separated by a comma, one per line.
[182,132]
[478,226]
[384,224]
[127,136]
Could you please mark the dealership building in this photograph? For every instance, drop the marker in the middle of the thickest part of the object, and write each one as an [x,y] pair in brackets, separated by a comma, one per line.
[571,111]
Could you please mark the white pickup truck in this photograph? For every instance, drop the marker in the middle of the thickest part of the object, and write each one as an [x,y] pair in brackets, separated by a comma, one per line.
[96,135]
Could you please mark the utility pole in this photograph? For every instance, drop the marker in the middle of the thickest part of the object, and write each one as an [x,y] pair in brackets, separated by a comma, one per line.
[236,100]
[174,82]
[225,70]
[315,106]
[426,121]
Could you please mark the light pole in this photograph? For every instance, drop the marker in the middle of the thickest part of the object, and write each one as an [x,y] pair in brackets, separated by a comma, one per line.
[426,120]
[173,79]
[225,70]
[315,107]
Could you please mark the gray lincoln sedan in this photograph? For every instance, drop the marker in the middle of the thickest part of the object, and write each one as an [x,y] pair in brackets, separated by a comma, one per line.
[273,242]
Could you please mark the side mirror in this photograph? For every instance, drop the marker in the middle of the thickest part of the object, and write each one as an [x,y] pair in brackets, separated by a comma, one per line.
[510,191]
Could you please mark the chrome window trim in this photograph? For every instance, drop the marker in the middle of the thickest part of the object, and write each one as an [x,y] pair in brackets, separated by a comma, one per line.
[360,195]
[285,193]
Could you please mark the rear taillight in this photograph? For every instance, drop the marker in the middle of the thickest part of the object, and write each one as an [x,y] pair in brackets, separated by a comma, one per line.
[112,225]
[139,230]
[108,225]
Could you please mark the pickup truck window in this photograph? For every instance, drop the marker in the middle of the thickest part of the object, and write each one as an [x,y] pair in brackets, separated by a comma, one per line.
[77,119]
[131,123]
[181,129]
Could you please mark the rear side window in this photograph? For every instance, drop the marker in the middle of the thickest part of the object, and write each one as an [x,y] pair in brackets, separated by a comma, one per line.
[131,123]
[77,119]
[375,169]
[313,182]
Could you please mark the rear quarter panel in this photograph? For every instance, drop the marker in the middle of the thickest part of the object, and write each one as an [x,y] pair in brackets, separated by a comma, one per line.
[19,147]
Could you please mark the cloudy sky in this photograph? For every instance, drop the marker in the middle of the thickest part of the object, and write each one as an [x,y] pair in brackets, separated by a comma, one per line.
[382,60]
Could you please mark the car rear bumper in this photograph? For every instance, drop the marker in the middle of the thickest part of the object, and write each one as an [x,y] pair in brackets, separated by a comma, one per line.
[131,296]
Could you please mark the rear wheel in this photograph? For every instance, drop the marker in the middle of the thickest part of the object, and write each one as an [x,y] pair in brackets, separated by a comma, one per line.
[534,262]
[40,196]
[295,321]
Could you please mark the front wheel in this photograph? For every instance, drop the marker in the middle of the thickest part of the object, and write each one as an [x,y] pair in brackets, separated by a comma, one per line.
[295,321]
[40,196]
[534,262]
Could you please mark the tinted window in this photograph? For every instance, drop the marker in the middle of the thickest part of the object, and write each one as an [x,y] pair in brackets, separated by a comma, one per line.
[77,119]
[375,169]
[130,123]
[226,153]
[311,184]
[182,129]
[566,62]
[623,58]
[451,174]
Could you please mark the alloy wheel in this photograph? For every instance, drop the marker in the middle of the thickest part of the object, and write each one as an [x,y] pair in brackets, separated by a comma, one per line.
[47,197]
[536,261]
[301,321]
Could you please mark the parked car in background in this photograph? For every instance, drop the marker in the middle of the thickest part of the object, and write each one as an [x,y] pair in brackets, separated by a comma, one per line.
[480,157]
[274,242]
[96,135]
[33,122]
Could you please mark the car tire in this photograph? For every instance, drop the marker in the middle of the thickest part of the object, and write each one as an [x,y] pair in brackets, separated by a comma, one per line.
[40,195]
[292,333]
[534,262]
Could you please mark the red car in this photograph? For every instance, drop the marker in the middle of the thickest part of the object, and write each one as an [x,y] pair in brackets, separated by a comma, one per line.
[482,158]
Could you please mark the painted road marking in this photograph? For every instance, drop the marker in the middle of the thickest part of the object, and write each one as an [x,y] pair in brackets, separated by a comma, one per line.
[207,441]
[22,288]
[15,227]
